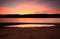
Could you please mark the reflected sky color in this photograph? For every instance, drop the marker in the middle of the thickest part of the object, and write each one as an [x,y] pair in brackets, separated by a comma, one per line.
[29,7]
[30,25]
[30,20]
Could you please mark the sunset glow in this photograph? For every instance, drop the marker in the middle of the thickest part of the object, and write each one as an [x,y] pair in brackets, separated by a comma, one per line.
[29,8]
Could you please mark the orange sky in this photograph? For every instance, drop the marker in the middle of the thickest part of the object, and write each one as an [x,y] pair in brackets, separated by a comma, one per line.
[29,8]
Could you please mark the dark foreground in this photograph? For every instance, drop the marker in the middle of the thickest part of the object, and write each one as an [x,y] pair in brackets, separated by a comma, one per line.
[30,33]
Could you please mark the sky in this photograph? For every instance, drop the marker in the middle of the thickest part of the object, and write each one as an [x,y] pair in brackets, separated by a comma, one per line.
[29,7]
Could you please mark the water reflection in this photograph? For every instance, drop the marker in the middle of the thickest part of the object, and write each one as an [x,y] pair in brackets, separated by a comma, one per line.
[30,20]
[31,25]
